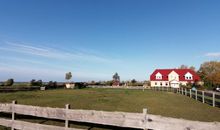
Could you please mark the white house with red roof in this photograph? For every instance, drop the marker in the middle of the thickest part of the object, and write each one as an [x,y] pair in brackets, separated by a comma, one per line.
[173,77]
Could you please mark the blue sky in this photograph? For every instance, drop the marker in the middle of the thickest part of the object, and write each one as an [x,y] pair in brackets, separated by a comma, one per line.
[44,39]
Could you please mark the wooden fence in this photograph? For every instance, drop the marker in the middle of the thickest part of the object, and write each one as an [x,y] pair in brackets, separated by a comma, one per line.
[119,119]
[210,98]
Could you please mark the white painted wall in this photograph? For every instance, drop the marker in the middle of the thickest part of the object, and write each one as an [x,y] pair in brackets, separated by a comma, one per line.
[158,83]
[173,76]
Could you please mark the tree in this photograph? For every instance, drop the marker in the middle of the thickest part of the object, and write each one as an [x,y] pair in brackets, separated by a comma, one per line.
[183,67]
[33,82]
[9,82]
[52,84]
[68,76]
[186,67]
[39,83]
[192,68]
[210,73]
[116,77]
[133,81]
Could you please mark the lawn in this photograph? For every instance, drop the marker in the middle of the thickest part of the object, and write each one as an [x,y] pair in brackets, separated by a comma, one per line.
[159,103]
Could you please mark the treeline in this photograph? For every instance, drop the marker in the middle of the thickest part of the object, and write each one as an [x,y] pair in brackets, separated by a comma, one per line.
[33,83]
[132,82]
[48,85]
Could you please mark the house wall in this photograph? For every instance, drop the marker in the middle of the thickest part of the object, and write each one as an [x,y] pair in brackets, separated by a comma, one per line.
[152,83]
[173,76]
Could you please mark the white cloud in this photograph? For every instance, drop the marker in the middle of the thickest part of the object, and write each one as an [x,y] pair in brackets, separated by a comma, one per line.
[213,54]
[53,53]
[27,62]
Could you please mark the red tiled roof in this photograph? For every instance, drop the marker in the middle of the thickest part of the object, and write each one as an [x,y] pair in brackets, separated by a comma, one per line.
[180,72]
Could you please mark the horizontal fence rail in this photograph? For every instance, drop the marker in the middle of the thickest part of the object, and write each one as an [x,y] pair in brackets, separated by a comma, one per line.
[119,119]
[22,125]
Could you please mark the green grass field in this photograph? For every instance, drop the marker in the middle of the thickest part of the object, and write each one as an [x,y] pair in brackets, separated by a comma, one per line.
[159,103]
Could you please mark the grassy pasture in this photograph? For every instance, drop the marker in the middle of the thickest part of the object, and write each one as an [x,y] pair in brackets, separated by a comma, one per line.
[159,103]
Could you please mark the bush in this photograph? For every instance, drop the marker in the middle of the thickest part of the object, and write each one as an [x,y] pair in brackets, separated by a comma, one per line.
[1,84]
[33,82]
[54,85]
[51,84]
[80,85]
[9,82]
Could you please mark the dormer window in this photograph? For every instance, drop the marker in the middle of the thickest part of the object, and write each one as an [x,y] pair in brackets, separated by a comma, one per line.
[158,76]
[188,76]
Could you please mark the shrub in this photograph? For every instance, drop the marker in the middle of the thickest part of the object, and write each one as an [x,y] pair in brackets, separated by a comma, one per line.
[33,82]
[51,84]
[9,82]
[1,84]
[80,85]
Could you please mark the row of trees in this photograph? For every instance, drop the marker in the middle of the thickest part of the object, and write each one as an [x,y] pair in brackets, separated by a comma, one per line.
[50,84]
[132,82]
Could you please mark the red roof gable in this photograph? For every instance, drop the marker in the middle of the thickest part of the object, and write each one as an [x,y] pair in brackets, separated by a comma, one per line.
[180,72]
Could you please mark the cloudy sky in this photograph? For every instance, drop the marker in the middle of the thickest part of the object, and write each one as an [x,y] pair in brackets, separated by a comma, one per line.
[44,39]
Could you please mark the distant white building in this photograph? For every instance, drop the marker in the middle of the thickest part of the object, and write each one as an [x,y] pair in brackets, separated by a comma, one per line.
[173,77]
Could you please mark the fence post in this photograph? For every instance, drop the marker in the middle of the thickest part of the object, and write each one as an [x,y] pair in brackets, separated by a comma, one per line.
[13,114]
[196,94]
[66,120]
[182,91]
[185,91]
[190,93]
[145,118]
[213,99]
[203,97]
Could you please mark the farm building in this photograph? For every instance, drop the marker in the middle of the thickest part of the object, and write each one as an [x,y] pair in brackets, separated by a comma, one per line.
[173,77]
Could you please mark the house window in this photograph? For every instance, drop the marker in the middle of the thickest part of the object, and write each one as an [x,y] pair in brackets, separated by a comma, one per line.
[158,77]
[161,84]
[188,78]
[166,84]
[155,83]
